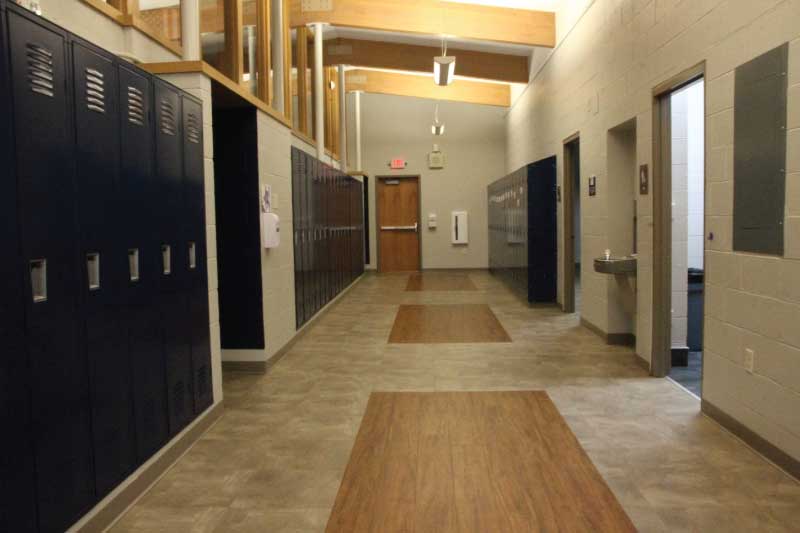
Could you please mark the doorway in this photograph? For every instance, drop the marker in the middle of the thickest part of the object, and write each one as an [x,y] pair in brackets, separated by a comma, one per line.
[572,224]
[398,214]
[678,203]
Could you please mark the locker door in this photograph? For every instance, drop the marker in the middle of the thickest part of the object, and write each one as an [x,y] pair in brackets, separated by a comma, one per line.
[59,378]
[178,353]
[168,200]
[141,315]
[296,236]
[103,262]
[314,224]
[194,217]
[201,349]
[17,469]
[304,205]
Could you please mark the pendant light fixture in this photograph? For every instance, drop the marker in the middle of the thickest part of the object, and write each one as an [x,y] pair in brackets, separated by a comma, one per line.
[444,66]
[438,127]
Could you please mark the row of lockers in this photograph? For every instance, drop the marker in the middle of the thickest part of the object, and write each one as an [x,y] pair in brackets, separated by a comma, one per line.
[103,285]
[522,230]
[328,217]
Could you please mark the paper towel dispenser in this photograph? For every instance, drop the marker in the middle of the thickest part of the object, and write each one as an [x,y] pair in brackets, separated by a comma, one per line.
[270,230]
[460,227]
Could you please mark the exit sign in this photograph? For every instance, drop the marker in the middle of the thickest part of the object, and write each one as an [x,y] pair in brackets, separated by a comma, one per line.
[397,164]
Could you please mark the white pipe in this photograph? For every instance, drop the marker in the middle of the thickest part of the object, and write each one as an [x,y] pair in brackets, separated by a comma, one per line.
[342,120]
[190,30]
[319,91]
[276,18]
[251,58]
[357,105]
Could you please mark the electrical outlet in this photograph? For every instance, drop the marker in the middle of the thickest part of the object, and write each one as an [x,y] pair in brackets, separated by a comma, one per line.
[749,359]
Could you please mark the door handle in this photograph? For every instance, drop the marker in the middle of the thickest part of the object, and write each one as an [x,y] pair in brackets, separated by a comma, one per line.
[401,228]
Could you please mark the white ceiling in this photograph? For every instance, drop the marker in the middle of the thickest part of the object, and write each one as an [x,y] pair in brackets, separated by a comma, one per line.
[540,5]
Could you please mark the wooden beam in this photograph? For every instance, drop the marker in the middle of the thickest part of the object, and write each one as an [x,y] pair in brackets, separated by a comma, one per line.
[287,62]
[473,92]
[469,21]
[380,54]
[234,58]
[302,73]
[263,52]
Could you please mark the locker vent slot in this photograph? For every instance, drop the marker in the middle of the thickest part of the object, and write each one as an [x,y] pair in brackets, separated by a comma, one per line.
[39,280]
[133,264]
[177,397]
[193,129]
[40,70]
[135,106]
[166,259]
[168,122]
[93,270]
[95,91]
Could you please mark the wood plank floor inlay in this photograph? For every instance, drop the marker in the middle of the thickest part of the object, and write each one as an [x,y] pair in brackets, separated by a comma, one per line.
[440,281]
[471,462]
[458,323]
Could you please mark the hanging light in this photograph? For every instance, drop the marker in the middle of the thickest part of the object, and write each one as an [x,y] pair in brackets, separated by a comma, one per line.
[444,66]
[438,127]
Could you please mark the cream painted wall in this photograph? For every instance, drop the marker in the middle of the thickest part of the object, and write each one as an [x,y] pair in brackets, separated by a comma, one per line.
[474,144]
[602,74]
[97,28]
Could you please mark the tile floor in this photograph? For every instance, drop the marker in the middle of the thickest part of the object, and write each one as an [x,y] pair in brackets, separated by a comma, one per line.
[274,461]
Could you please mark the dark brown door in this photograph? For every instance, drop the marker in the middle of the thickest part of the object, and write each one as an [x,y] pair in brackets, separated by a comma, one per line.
[398,224]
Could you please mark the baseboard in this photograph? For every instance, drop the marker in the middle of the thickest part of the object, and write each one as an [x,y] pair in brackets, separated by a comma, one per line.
[115,505]
[781,459]
[616,339]
[246,367]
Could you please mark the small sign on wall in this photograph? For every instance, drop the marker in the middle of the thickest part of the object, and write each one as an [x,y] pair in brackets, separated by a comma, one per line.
[593,186]
[398,164]
[644,179]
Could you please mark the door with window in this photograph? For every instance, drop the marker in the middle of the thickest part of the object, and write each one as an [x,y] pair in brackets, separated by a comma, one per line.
[398,224]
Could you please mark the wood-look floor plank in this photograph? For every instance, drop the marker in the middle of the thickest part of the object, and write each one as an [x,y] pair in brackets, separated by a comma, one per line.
[458,323]
[472,462]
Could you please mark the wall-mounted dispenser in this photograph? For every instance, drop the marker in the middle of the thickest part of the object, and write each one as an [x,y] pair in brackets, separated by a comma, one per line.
[460,227]
[270,230]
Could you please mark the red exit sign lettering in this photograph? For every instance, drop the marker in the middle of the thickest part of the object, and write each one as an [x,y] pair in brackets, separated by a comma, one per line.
[397,164]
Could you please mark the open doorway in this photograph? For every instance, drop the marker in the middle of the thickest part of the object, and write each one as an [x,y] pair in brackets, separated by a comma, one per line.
[679,270]
[572,224]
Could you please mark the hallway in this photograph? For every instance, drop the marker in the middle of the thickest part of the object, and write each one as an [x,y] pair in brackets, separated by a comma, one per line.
[275,460]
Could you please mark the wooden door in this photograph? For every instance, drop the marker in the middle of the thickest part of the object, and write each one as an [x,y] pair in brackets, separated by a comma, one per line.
[398,224]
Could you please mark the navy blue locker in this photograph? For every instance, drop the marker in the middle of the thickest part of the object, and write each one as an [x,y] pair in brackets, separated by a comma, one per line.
[310,286]
[194,218]
[178,353]
[201,349]
[17,468]
[46,189]
[542,233]
[141,316]
[168,200]
[195,245]
[104,262]
[297,166]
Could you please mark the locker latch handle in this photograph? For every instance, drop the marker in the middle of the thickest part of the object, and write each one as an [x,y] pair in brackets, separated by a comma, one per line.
[166,259]
[133,264]
[39,280]
[192,256]
[93,270]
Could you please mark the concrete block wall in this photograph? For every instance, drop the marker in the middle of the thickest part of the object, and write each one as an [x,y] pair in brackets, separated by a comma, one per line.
[602,74]
[277,264]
